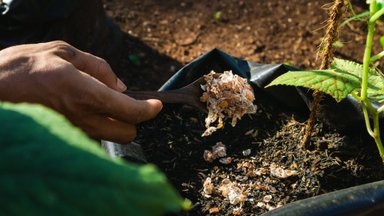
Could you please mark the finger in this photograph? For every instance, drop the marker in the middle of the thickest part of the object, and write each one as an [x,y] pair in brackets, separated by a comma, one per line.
[101,127]
[88,63]
[122,107]
[118,105]
[134,111]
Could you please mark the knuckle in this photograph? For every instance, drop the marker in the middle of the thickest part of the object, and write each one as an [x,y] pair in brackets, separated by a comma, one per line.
[63,49]
[103,68]
[58,42]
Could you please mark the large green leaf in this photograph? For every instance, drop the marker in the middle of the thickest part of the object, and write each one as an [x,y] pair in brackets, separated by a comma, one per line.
[340,80]
[375,89]
[48,167]
[336,84]
[349,66]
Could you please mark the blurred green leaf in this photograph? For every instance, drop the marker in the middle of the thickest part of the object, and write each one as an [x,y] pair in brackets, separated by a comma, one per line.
[338,44]
[134,59]
[49,167]
[217,15]
[379,3]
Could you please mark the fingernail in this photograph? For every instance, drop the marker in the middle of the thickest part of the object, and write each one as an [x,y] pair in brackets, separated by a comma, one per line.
[120,85]
[156,103]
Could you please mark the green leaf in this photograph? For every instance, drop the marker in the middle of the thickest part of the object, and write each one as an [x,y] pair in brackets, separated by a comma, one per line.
[347,66]
[336,84]
[350,67]
[375,89]
[48,167]
[339,81]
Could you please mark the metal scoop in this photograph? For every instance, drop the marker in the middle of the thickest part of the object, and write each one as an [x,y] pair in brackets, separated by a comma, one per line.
[189,95]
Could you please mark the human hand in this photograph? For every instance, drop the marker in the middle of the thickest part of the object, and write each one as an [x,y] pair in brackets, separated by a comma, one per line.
[77,84]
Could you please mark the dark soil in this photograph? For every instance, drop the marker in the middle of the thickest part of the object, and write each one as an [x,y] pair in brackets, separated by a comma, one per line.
[162,36]
[173,141]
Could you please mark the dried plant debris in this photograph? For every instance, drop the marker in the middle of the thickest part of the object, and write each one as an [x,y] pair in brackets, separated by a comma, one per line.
[228,95]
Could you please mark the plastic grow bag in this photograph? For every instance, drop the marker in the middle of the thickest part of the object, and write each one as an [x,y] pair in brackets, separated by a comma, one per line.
[360,200]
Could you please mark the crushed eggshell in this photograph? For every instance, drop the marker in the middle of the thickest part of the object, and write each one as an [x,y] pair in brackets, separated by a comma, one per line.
[231,191]
[261,171]
[270,207]
[226,160]
[247,152]
[208,156]
[280,172]
[260,204]
[228,95]
[267,198]
[237,211]
[208,187]
[214,210]
[219,150]
[280,204]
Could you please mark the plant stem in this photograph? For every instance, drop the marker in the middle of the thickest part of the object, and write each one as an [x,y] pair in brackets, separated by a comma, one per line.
[367,60]
[377,15]
[380,109]
[376,134]
[366,119]
[356,96]
[366,103]
[377,57]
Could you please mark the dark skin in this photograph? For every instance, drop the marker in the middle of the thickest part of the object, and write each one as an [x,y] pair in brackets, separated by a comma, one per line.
[79,85]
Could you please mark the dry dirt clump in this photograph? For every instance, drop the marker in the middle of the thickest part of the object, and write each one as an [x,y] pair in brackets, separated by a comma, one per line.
[226,94]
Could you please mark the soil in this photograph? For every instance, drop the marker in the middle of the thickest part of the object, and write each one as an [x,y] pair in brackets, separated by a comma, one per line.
[162,36]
